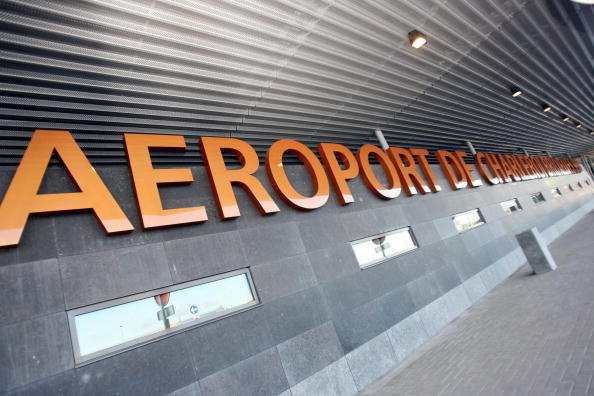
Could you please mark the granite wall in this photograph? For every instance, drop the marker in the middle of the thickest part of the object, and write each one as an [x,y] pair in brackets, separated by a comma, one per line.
[325,326]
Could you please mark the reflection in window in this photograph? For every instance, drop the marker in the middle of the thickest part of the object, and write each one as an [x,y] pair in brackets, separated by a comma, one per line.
[467,220]
[379,248]
[537,198]
[100,330]
[556,193]
[511,206]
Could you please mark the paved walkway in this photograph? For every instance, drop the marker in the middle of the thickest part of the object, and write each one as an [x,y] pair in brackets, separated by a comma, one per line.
[532,335]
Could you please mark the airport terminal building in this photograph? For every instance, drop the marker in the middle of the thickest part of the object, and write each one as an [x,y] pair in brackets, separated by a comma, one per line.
[273,197]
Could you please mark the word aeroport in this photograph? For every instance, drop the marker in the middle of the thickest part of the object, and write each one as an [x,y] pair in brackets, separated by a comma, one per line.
[404,170]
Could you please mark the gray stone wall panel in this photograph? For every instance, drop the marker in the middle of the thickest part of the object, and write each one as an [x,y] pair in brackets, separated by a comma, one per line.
[372,360]
[95,277]
[223,343]
[204,255]
[261,374]
[34,349]
[309,352]
[303,268]
[155,369]
[271,242]
[334,262]
[283,277]
[29,290]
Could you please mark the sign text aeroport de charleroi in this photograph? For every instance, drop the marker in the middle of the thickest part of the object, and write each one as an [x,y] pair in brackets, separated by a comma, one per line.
[405,170]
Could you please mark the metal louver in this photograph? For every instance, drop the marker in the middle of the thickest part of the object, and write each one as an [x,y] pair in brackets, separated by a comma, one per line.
[310,70]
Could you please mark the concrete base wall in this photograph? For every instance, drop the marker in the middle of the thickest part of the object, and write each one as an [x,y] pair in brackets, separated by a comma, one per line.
[325,326]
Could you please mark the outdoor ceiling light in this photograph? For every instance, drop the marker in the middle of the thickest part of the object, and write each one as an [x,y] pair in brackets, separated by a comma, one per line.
[515,91]
[546,107]
[578,125]
[417,39]
[564,118]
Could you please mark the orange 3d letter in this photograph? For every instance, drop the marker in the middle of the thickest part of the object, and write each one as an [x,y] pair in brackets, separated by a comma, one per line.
[338,175]
[282,185]
[452,169]
[146,180]
[412,182]
[369,178]
[22,197]
[221,178]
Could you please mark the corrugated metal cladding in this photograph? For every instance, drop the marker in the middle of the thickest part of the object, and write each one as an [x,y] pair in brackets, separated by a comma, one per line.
[310,70]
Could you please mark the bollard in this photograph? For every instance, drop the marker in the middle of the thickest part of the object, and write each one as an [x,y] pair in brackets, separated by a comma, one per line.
[536,251]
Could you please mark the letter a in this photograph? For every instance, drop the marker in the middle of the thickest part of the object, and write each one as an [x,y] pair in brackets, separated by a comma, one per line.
[22,197]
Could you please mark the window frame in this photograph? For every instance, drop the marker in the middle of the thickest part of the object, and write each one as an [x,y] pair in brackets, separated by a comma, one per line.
[540,201]
[478,210]
[384,259]
[518,204]
[80,360]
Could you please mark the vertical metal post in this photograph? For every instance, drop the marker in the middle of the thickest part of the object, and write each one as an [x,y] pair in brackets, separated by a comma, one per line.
[471,147]
[548,153]
[526,152]
[165,318]
[382,140]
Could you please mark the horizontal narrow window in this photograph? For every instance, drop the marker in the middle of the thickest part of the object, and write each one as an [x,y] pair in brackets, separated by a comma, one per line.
[511,206]
[468,220]
[107,328]
[537,198]
[556,193]
[569,187]
[378,248]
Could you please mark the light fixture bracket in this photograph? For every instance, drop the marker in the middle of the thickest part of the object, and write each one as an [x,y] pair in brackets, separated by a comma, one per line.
[515,91]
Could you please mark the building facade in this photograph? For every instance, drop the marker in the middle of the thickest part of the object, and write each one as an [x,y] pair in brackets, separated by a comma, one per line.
[284,294]
[321,321]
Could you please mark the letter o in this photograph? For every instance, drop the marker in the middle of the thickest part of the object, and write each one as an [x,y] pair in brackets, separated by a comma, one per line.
[282,185]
